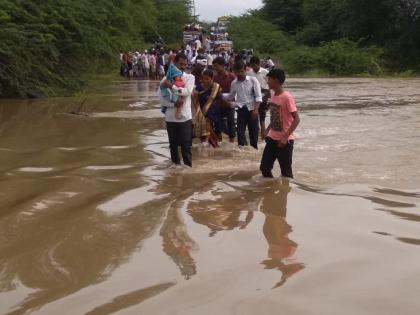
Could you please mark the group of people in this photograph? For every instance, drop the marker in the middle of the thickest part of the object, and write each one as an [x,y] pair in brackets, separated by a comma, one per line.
[198,104]
[147,64]
[153,63]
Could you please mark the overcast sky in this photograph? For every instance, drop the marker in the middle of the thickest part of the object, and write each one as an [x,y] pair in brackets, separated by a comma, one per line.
[210,10]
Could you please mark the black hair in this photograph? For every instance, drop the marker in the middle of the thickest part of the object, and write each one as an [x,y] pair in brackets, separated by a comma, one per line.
[239,65]
[220,61]
[277,74]
[180,56]
[208,73]
[254,60]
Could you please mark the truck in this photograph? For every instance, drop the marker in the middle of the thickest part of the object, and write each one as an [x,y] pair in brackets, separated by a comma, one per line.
[190,33]
[220,37]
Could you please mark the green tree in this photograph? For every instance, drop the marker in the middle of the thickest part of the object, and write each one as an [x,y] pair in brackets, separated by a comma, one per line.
[286,14]
[253,31]
[50,47]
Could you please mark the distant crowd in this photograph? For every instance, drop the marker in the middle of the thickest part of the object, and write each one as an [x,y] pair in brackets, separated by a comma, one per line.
[153,63]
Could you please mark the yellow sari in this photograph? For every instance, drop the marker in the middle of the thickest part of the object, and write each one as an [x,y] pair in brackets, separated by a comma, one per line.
[203,126]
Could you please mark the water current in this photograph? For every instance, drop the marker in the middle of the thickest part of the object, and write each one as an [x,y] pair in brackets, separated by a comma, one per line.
[95,220]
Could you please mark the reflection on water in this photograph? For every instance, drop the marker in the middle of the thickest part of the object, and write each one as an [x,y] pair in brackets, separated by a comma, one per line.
[219,211]
[177,244]
[276,230]
[93,219]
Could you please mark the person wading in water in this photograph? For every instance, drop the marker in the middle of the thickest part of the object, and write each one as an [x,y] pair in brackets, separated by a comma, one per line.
[179,128]
[207,119]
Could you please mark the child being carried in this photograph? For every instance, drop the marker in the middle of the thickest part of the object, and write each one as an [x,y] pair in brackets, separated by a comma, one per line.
[175,76]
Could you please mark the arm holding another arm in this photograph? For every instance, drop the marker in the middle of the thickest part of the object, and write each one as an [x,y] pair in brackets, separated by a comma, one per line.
[230,97]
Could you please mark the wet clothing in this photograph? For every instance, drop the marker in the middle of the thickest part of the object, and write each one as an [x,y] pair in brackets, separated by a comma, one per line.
[179,127]
[273,152]
[245,95]
[245,120]
[281,108]
[213,112]
[179,134]
[210,109]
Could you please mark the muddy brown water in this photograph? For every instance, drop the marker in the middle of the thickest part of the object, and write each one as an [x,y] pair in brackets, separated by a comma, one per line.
[94,220]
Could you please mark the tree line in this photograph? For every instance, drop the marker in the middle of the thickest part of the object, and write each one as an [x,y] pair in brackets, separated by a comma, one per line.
[51,47]
[341,37]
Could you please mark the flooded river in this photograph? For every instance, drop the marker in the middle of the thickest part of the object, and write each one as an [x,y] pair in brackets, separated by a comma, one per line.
[94,220]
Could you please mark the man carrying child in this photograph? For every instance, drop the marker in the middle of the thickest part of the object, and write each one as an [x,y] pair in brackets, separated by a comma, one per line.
[179,123]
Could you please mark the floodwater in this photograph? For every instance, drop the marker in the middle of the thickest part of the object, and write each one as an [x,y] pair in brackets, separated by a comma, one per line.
[94,220]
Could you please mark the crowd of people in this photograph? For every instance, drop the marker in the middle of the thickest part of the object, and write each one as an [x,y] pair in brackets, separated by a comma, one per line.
[153,63]
[228,92]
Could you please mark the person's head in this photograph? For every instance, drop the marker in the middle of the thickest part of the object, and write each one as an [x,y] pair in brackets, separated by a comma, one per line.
[181,62]
[239,69]
[201,63]
[255,63]
[219,64]
[276,78]
[207,77]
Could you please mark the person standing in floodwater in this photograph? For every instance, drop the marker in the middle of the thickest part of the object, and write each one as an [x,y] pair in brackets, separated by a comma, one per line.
[284,119]
[261,74]
[225,79]
[245,92]
[179,128]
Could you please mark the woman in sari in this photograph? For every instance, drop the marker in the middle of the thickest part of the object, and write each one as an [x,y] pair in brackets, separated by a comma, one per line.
[207,124]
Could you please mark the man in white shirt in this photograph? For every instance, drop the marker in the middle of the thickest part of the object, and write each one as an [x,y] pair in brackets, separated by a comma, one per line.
[197,44]
[261,75]
[179,130]
[270,63]
[245,91]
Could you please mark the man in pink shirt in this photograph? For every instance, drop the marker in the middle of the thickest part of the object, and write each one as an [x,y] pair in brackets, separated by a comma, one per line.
[284,119]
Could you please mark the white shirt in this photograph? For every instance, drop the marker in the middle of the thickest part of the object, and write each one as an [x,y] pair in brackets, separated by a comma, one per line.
[185,92]
[209,59]
[244,93]
[197,44]
[261,76]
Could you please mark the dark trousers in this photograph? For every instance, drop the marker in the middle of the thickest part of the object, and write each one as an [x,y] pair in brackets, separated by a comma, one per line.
[228,127]
[245,120]
[180,134]
[272,153]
